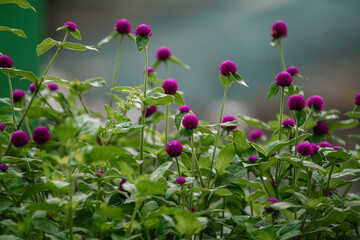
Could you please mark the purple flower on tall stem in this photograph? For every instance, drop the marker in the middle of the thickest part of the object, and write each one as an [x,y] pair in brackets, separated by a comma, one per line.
[184,109]
[253,158]
[287,123]
[100,171]
[143,30]
[325,145]
[336,148]
[174,148]
[190,121]
[150,111]
[284,79]
[315,148]
[53,86]
[163,53]
[321,128]
[228,118]
[32,87]
[296,102]
[170,86]
[72,26]
[123,26]
[19,138]
[279,29]
[41,135]
[3,167]
[227,67]
[293,70]
[255,134]
[18,95]
[316,101]
[6,61]
[270,209]
[150,70]
[305,149]
[357,99]
[181,180]
[2,127]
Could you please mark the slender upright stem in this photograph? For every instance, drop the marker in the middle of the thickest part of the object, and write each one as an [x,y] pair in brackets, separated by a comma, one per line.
[307,118]
[137,206]
[195,162]
[282,59]
[116,68]
[296,179]
[178,166]
[143,113]
[12,100]
[70,204]
[251,205]
[84,105]
[328,183]
[223,215]
[166,123]
[218,133]
[281,110]
[166,69]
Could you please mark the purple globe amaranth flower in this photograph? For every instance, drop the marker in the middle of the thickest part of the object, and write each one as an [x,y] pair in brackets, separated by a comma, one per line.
[150,70]
[270,209]
[100,171]
[18,95]
[170,86]
[163,53]
[41,135]
[293,70]
[253,158]
[255,134]
[184,109]
[150,111]
[53,86]
[315,148]
[181,180]
[19,138]
[143,30]
[6,61]
[190,121]
[122,189]
[123,26]
[32,87]
[227,67]
[321,128]
[3,167]
[284,79]
[72,26]
[174,148]
[336,148]
[279,29]
[2,127]
[287,123]
[357,99]
[192,209]
[228,118]
[316,101]
[325,145]
[296,102]
[305,149]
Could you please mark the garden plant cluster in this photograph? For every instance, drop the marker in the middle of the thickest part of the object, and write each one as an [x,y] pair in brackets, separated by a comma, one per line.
[68,172]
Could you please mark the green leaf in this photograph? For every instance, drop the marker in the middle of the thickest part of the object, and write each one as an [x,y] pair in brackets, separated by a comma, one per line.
[156,64]
[123,89]
[25,74]
[115,213]
[142,42]
[132,37]
[266,165]
[96,82]
[159,172]
[223,192]
[76,34]
[300,117]
[78,47]
[275,42]
[349,123]
[284,205]
[159,99]
[333,216]
[259,148]
[254,122]
[245,182]
[273,90]
[20,3]
[110,112]
[313,165]
[179,99]
[45,45]
[18,32]
[146,187]
[338,156]
[255,196]
[223,79]
[277,145]
[104,154]
[178,118]
[178,62]
[240,80]
[240,142]
[185,132]
[225,157]
[353,114]
[108,38]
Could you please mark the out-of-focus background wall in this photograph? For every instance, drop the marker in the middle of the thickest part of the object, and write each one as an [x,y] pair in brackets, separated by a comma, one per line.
[323,42]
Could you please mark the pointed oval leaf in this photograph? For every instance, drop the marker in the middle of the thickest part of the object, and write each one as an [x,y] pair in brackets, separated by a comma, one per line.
[273,90]
[18,32]
[178,62]
[78,47]
[108,38]
[45,45]
[142,42]
[225,157]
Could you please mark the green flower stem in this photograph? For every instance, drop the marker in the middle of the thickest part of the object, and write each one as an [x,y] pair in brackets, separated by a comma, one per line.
[222,215]
[12,100]
[166,123]
[116,68]
[307,118]
[218,133]
[84,105]
[328,183]
[178,166]
[166,69]
[55,55]
[251,205]
[282,59]
[281,110]
[195,162]
[304,220]
[183,197]
[296,179]
[70,204]
[143,113]
[309,187]
[137,206]
[265,187]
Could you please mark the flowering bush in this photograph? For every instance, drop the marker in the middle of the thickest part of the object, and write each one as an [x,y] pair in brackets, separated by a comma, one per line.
[73,173]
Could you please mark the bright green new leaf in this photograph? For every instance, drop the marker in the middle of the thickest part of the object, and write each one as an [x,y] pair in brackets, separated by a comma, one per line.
[18,32]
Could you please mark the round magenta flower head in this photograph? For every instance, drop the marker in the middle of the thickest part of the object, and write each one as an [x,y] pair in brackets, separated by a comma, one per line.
[316,101]
[357,99]
[6,61]
[190,121]
[150,111]
[315,148]
[32,87]
[228,118]
[150,70]
[284,79]
[336,148]
[181,180]
[3,167]
[287,123]
[174,148]
[143,30]
[293,70]
[163,53]
[53,86]
[123,26]
[325,145]
[72,26]
[19,138]
[41,135]
[227,67]
[2,127]
[253,158]
[273,200]
[305,148]
[296,102]
[184,109]
[18,95]
[100,171]
[255,134]
[170,86]
[279,29]
[321,128]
